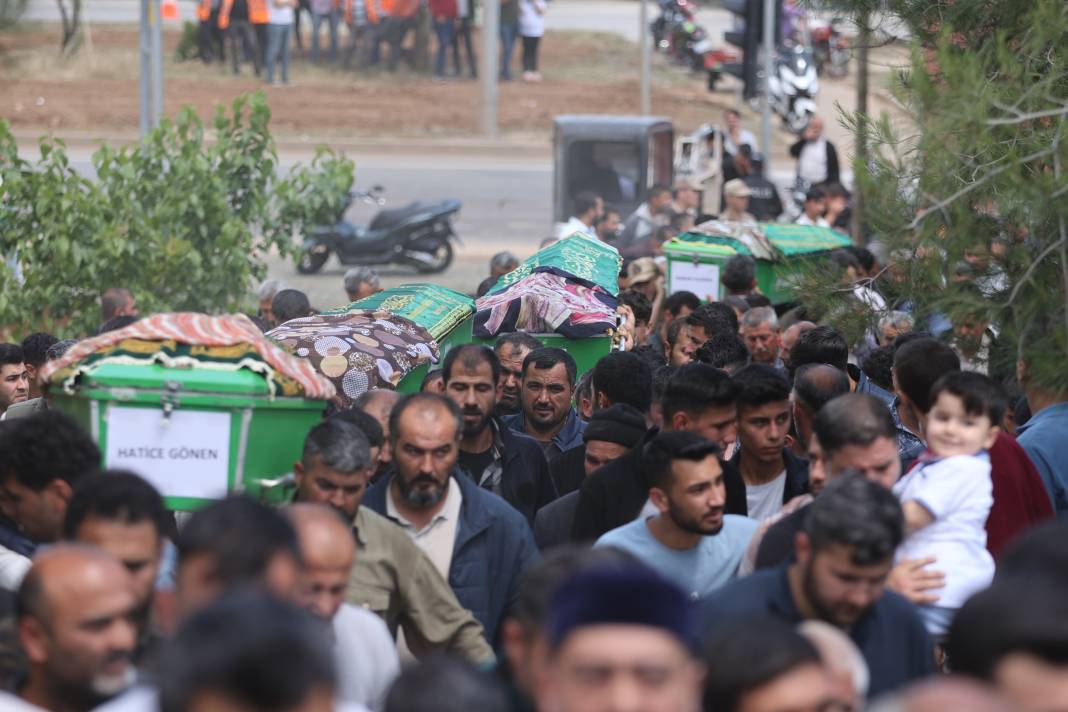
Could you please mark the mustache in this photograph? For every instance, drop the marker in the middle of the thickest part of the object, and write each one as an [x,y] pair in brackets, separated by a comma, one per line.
[471,411]
[422,480]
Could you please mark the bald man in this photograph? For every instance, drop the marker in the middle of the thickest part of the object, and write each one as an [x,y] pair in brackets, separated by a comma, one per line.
[815,385]
[789,338]
[379,403]
[364,651]
[76,625]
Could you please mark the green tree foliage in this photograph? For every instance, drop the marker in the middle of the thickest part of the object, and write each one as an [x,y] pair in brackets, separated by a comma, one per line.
[182,221]
[971,200]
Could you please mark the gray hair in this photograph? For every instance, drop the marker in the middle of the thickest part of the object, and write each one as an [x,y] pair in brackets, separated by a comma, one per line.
[898,320]
[269,288]
[838,652]
[58,349]
[359,275]
[504,260]
[337,444]
[760,315]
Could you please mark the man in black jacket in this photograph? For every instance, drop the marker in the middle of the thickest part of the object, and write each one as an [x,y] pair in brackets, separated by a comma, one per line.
[497,458]
[817,159]
[699,399]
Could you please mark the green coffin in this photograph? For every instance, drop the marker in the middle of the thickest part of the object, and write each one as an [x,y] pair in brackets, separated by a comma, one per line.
[576,254]
[695,259]
[439,310]
[196,434]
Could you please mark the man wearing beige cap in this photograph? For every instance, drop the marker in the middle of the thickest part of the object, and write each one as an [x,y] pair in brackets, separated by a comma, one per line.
[643,276]
[686,196]
[736,196]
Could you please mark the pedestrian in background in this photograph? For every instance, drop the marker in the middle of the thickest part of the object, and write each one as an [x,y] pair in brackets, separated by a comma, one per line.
[324,11]
[465,14]
[359,33]
[509,34]
[443,13]
[279,28]
[531,28]
[236,18]
[400,22]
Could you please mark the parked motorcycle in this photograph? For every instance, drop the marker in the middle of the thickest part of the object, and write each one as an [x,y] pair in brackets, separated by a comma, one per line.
[418,235]
[830,50]
[793,86]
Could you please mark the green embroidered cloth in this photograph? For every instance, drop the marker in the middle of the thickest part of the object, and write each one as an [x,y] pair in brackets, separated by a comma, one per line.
[766,241]
[439,310]
[576,255]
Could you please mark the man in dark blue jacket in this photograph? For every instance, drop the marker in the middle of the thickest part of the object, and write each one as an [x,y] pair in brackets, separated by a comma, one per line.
[545,394]
[479,542]
[496,458]
[843,557]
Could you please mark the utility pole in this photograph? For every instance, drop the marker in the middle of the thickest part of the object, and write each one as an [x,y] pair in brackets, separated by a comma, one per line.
[769,67]
[151,78]
[646,59]
[491,27]
[861,147]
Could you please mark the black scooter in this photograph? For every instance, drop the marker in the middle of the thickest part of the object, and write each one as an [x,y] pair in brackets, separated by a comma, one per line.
[418,235]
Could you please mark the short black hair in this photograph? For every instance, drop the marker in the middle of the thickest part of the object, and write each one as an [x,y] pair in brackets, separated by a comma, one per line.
[11,354]
[290,304]
[414,399]
[696,386]
[723,350]
[116,323]
[116,496]
[651,355]
[816,384]
[754,300]
[661,378]
[858,513]
[674,303]
[638,303]
[980,395]
[815,193]
[433,374]
[242,537]
[517,339]
[46,446]
[821,344]
[548,357]
[747,654]
[674,328]
[470,356]
[739,273]
[716,318]
[670,445]
[35,348]
[112,300]
[863,254]
[250,648]
[853,419]
[1041,550]
[657,190]
[425,686]
[624,377]
[878,367]
[584,202]
[918,364]
[760,384]
[366,422]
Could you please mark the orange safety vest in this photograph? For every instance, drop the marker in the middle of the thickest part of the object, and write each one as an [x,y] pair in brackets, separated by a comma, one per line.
[204,10]
[257,13]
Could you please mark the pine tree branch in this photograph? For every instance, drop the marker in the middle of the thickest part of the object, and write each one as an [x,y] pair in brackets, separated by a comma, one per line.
[1022,118]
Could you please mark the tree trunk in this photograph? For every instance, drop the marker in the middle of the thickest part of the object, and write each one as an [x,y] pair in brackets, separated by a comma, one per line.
[861,147]
[72,26]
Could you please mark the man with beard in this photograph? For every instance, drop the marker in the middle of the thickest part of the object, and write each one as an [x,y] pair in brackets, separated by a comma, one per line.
[511,349]
[392,576]
[123,515]
[546,391]
[14,379]
[496,458]
[75,616]
[475,538]
[843,557]
[364,653]
[691,541]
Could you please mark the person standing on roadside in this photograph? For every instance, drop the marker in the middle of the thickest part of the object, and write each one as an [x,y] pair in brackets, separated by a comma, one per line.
[531,28]
[279,29]
[443,13]
[509,33]
[465,13]
[324,11]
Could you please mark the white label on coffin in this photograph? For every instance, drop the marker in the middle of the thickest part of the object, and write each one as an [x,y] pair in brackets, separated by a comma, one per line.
[186,455]
[702,278]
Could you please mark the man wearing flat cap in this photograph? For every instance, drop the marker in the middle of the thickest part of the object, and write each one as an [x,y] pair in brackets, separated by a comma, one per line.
[609,435]
[736,195]
[620,635]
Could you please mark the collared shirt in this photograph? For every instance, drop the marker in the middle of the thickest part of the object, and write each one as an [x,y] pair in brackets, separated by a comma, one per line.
[395,579]
[438,537]
[365,656]
[569,436]
[575,225]
[890,635]
[909,445]
[1043,437]
[490,478]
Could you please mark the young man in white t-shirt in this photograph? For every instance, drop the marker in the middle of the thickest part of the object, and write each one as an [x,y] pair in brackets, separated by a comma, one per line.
[947,496]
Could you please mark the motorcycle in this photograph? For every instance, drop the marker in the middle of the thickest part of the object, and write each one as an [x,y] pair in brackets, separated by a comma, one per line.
[793,86]
[830,49]
[418,235]
[676,33]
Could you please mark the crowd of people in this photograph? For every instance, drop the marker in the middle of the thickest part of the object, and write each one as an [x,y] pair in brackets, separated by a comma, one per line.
[261,32]
[740,511]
